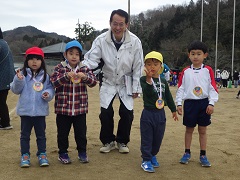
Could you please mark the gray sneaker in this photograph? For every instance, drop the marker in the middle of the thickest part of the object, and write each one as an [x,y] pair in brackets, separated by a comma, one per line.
[107,147]
[122,148]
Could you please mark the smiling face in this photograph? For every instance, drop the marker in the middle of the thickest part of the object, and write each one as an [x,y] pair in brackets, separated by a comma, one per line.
[73,56]
[154,66]
[118,26]
[197,56]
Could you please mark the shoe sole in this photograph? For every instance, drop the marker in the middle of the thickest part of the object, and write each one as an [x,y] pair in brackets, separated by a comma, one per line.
[156,166]
[6,128]
[107,151]
[25,166]
[44,164]
[81,161]
[204,165]
[184,162]
[123,152]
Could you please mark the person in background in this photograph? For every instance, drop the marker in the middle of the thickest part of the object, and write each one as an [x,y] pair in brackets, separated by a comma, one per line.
[224,76]
[166,72]
[156,95]
[7,73]
[229,80]
[218,78]
[236,78]
[70,80]
[197,88]
[174,79]
[122,54]
[33,85]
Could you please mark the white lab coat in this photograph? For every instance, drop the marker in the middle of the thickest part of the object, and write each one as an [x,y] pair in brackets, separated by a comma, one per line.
[128,60]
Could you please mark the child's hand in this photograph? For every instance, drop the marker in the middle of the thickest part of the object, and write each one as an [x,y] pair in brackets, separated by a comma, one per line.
[210,109]
[19,74]
[81,75]
[179,110]
[149,74]
[70,74]
[175,117]
[45,95]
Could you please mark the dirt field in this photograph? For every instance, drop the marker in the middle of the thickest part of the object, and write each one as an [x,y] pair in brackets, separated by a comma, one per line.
[223,148]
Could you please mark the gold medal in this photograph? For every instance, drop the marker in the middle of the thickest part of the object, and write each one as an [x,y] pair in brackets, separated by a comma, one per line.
[76,80]
[37,86]
[159,103]
[197,91]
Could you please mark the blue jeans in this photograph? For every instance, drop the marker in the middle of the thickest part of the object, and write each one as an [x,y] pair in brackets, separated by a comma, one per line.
[39,124]
[235,83]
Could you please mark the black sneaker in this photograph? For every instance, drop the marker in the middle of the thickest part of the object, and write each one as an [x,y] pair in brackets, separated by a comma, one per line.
[6,127]
[83,158]
[64,158]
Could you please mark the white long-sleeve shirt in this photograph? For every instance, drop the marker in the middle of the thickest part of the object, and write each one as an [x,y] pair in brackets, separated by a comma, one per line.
[191,78]
[224,74]
[128,60]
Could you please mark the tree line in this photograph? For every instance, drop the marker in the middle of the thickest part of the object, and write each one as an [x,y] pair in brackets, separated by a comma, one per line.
[169,29]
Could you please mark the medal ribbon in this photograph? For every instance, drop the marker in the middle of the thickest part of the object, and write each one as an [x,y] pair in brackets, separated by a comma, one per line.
[160,88]
[34,79]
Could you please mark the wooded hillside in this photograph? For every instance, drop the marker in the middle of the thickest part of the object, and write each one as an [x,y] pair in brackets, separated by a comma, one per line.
[169,29]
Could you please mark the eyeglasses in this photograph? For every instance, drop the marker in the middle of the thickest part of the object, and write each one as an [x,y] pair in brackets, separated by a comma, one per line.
[115,24]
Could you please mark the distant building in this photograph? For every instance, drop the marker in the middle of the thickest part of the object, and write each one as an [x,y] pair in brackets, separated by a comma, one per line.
[56,51]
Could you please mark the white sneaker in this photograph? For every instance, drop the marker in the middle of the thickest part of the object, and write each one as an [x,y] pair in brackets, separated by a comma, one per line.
[122,148]
[107,147]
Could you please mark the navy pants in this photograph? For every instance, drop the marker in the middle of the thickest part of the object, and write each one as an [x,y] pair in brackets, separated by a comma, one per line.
[107,124]
[64,124]
[39,124]
[152,128]
[4,114]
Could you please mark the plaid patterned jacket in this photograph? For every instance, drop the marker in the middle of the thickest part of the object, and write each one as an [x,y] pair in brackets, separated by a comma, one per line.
[71,99]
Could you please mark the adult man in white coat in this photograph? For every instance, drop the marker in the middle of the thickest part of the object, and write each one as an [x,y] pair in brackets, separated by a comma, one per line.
[224,76]
[122,54]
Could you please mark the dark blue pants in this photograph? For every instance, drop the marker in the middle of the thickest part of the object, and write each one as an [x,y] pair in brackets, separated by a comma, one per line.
[152,128]
[107,124]
[39,124]
[64,124]
[4,114]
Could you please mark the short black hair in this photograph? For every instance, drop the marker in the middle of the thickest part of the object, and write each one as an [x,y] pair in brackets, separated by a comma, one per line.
[197,45]
[121,13]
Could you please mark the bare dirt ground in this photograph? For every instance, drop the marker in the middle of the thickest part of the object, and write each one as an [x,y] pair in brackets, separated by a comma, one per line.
[223,148]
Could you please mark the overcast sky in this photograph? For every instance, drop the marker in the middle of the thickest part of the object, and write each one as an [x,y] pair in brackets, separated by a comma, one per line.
[61,16]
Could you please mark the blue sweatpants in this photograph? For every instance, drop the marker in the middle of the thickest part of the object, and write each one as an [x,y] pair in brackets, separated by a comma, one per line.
[152,128]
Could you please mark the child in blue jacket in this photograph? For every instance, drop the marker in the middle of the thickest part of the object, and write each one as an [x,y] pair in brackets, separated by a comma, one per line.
[33,85]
